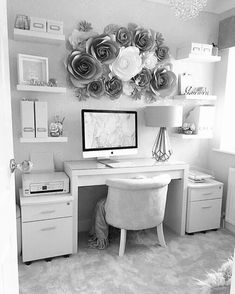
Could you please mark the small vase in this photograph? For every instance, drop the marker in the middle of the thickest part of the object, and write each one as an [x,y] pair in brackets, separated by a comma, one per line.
[56,129]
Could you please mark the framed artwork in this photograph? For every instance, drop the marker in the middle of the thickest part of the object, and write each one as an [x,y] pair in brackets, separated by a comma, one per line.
[32,68]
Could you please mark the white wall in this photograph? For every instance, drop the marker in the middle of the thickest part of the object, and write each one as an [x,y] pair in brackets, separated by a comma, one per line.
[100,13]
[220,162]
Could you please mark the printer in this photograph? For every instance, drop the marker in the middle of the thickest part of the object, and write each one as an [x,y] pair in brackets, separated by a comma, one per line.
[45,183]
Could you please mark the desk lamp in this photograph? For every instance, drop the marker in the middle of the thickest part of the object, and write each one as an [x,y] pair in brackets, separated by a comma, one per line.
[163,117]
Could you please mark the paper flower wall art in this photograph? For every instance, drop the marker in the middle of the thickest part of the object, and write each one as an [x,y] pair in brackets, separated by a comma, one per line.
[128,60]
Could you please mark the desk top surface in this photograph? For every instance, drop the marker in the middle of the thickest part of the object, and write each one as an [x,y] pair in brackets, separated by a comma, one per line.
[135,163]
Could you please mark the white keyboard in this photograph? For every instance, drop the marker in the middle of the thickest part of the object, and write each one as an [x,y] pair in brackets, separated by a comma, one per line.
[121,164]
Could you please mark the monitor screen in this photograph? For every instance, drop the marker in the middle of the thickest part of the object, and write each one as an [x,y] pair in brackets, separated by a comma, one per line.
[109,130]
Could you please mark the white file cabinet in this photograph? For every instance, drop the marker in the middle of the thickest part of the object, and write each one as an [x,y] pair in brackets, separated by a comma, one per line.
[47,226]
[204,206]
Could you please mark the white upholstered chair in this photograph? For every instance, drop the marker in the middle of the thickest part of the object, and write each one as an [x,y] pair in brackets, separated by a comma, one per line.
[137,204]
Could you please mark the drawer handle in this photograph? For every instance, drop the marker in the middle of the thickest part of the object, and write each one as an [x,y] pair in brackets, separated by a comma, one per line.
[47,211]
[48,229]
[205,207]
[207,193]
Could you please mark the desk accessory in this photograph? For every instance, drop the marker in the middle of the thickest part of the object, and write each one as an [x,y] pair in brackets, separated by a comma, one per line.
[41,119]
[27,118]
[163,117]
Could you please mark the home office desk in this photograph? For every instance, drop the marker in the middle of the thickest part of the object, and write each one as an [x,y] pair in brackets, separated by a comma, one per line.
[91,173]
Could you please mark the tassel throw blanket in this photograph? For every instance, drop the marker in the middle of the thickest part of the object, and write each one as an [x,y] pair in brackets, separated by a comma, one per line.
[100,229]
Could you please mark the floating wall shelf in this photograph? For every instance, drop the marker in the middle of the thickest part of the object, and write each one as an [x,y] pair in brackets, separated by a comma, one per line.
[41,89]
[199,58]
[39,37]
[195,97]
[44,140]
[197,136]
[185,54]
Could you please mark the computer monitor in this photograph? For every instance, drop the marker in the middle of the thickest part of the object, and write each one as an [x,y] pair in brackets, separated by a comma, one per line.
[108,133]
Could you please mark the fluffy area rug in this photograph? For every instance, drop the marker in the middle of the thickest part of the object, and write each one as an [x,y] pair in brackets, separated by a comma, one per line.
[146,268]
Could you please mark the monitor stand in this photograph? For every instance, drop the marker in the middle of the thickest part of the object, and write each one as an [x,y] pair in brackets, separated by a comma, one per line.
[116,163]
[106,161]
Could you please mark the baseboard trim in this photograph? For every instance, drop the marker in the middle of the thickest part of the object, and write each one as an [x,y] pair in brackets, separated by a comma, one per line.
[230,227]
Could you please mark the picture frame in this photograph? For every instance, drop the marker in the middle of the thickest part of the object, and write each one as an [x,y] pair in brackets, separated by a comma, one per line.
[32,68]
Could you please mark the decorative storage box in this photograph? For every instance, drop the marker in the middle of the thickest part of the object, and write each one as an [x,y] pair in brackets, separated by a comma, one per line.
[196,48]
[206,49]
[227,33]
[37,24]
[55,27]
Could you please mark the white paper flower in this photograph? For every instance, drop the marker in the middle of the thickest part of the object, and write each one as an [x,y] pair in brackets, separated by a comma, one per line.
[127,64]
[79,36]
[150,60]
[128,89]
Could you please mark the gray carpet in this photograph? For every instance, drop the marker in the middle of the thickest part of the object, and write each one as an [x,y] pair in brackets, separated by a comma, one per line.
[145,268]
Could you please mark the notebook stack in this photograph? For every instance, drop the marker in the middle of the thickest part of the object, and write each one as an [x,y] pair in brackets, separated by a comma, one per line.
[198,176]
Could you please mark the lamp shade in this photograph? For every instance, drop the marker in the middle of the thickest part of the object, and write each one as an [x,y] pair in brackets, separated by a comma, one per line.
[163,116]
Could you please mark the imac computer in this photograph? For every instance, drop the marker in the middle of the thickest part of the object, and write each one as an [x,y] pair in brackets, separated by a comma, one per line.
[107,133]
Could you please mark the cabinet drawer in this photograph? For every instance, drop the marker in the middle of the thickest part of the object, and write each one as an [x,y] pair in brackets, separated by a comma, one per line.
[46,211]
[205,193]
[47,238]
[203,215]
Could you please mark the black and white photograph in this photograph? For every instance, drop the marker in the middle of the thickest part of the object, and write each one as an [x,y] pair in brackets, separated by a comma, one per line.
[117,153]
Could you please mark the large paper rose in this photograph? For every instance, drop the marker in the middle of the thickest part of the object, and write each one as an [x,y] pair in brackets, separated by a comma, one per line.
[124,37]
[144,39]
[95,89]
[163,82]
[162,53]
[114,88]
[127,64]
[102,48]
[83,68]
[143,78]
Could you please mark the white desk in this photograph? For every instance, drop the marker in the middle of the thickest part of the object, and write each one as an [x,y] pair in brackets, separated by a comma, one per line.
[91,173]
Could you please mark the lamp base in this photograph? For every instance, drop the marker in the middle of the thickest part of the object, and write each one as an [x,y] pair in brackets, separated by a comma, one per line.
[162,150]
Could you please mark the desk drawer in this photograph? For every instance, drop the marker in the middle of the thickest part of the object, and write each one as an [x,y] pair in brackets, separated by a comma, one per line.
[203,215]
[46,211]
[47,238]
[205,193]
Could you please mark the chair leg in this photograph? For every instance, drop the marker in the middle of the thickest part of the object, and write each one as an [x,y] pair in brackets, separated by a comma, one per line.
[160,235]
[122,242]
